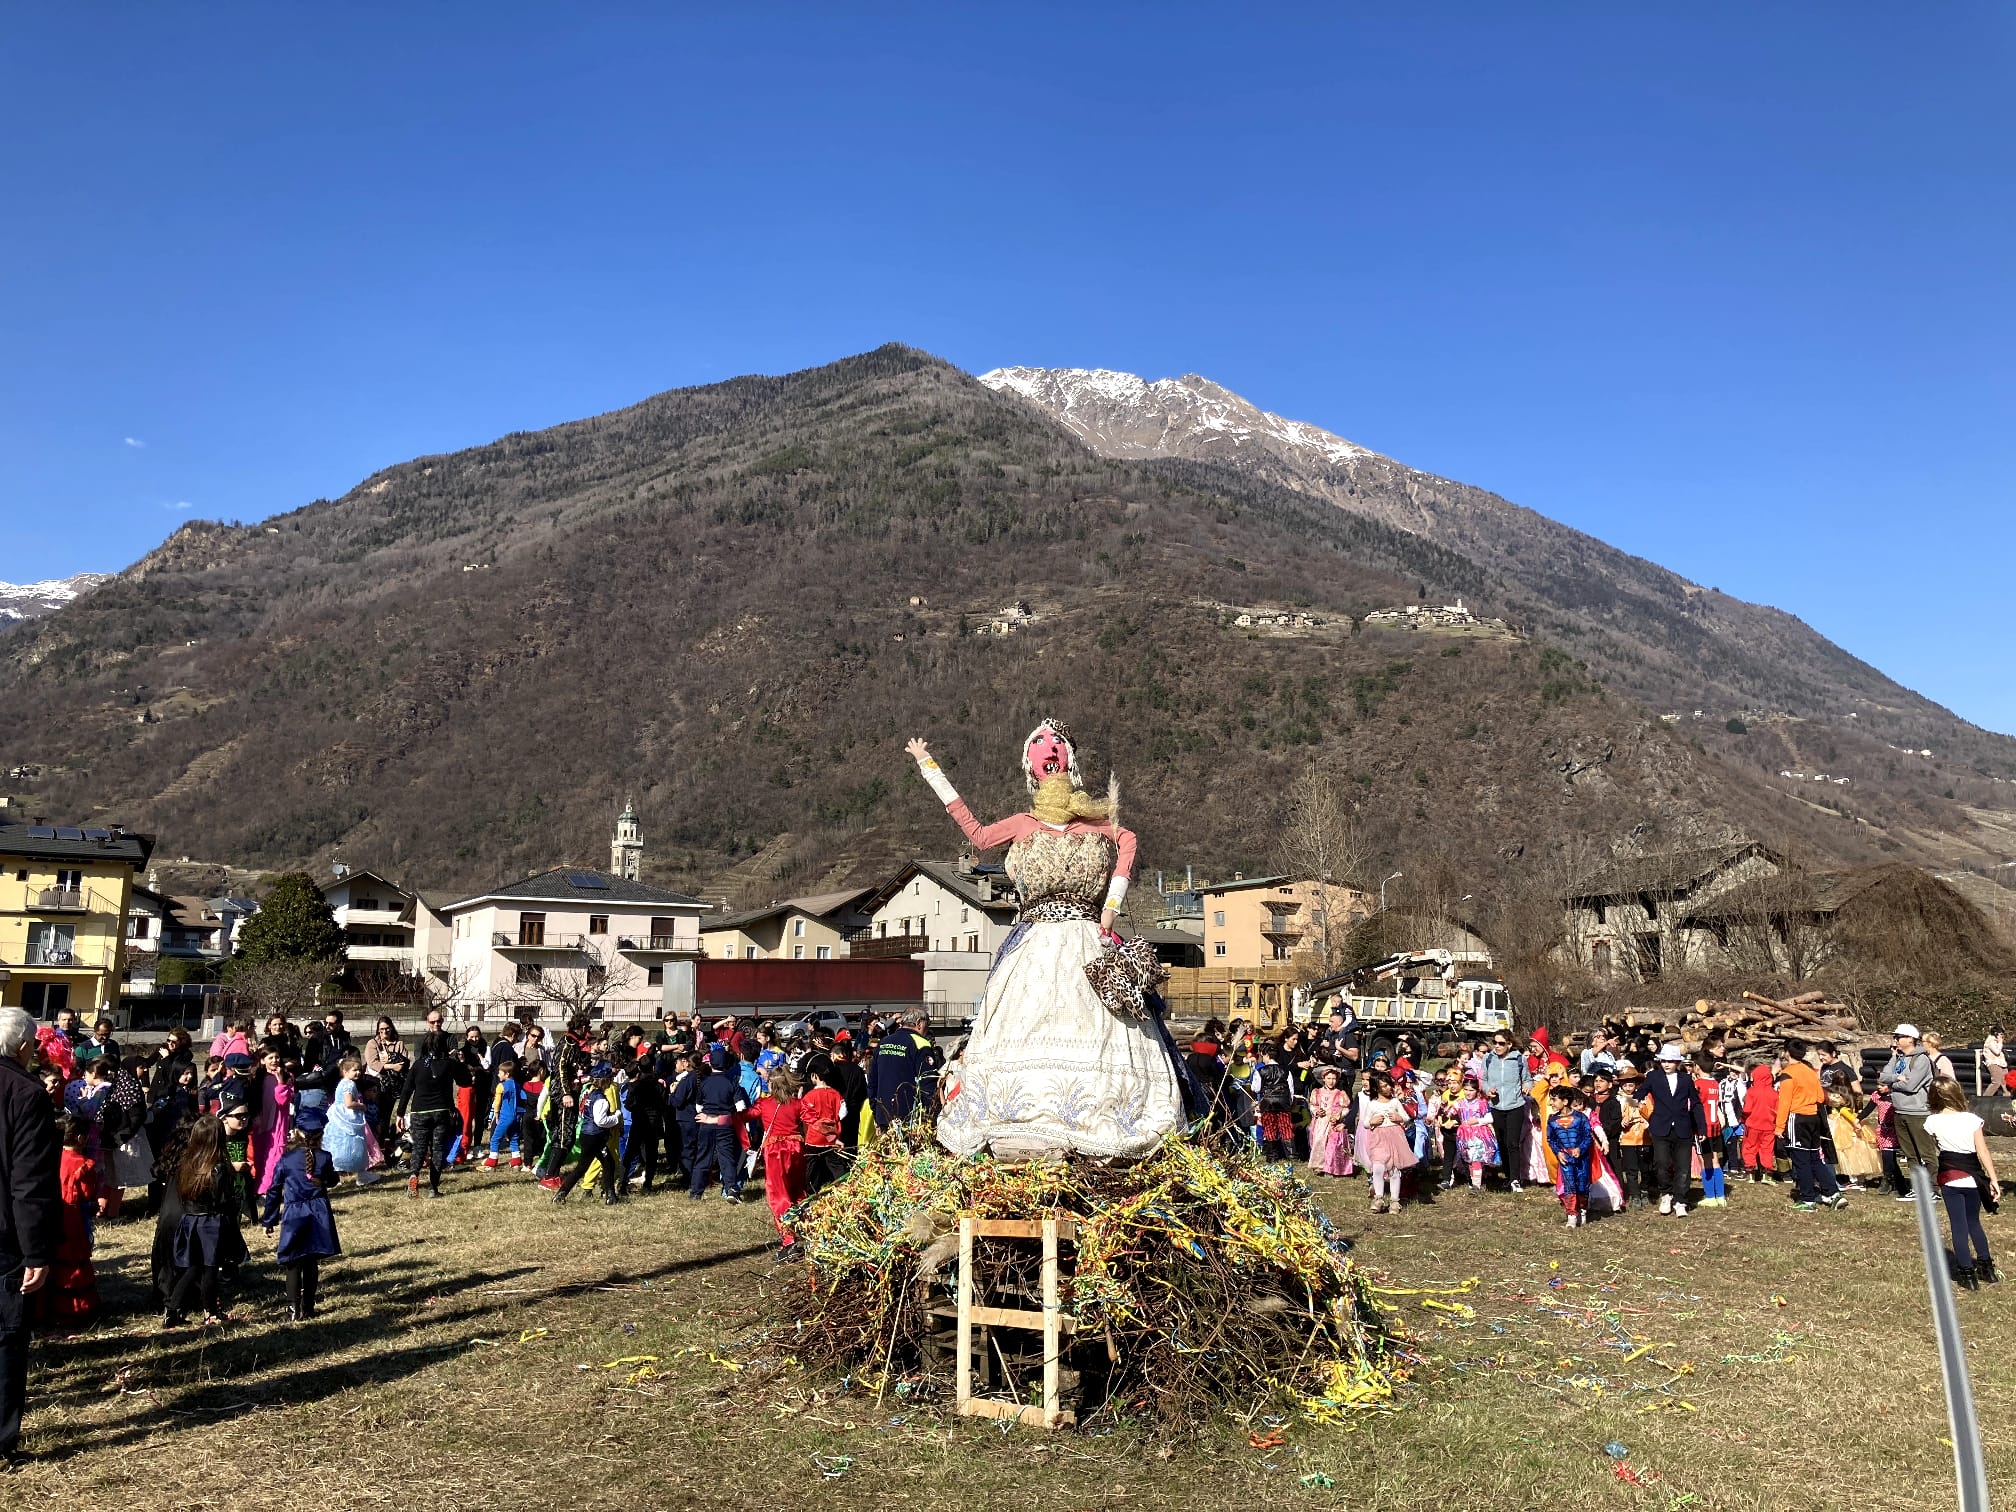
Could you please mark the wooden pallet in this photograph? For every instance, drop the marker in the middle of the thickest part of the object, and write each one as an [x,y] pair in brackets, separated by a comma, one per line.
[1050,1321]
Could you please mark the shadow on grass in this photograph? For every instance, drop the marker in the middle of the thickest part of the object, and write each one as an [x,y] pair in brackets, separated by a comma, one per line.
[191,1379]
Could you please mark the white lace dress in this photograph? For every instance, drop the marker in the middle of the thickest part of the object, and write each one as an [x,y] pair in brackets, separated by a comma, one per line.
[1048,1066]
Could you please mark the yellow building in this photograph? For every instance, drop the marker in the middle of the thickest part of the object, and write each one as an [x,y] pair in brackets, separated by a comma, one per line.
[1268,920]
[795,929]
[63,899]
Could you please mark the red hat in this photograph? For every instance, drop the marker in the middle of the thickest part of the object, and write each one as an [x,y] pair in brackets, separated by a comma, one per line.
[844,1034]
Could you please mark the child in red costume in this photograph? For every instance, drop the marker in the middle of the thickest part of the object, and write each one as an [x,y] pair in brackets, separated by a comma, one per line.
[824,1112]
[1760,1126]
[70,1299]
[782,1115]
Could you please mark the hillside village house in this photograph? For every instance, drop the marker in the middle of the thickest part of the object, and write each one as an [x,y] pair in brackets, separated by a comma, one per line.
[64,893]
[388,929]
[1643,916]
[951,915]
[814,928]
[181,927]
[1265,920]
[528,949]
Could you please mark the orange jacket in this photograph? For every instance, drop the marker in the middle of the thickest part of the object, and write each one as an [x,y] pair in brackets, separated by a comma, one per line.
[1798,1092]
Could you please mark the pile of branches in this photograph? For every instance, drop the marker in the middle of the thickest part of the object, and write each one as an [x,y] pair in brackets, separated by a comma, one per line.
[1761,1025]
[1199,1278]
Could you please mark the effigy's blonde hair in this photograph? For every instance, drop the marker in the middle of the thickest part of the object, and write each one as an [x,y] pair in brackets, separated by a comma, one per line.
[1062,798]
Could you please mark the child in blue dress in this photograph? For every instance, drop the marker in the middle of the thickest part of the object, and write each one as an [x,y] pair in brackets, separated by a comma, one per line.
[1573,1141]
[298,1202]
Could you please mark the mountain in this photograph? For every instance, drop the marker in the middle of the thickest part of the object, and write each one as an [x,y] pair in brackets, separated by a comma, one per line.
[1674,645]
[735,602]
[27,601]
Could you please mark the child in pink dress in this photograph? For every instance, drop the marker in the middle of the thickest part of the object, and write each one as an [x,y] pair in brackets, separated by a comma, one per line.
[1476,1136]
[1329,1126]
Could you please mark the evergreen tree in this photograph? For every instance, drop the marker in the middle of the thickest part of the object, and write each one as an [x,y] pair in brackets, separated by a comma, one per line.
[294,924]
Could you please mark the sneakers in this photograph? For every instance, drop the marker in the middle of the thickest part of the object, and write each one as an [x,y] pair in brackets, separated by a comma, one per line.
[550,1183]
[1835,1201]
[517,1161]
[1666,1203]
[1378,1204]
[1679,1210]
[1571,1221]
[489,1162]
[1911,1196]
[732,1196]
[1517,1189]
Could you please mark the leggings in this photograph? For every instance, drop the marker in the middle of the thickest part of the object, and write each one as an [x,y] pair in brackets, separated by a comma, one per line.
[1510,1125]
[1383,1178]
[595,1146]
[1963,1217]
[195,1283]
[304,1278]
[430,1131]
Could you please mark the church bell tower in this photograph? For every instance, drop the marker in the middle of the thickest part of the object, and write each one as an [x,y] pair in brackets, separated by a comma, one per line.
[626,850]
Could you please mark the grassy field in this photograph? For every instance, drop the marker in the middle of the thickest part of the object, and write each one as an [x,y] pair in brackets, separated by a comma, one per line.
[484,1352]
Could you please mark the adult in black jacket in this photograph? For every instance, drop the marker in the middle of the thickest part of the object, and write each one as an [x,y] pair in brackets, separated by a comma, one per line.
[321,1061]
[1677,1119]
[427,1108]
[31,1212]
[852,1085]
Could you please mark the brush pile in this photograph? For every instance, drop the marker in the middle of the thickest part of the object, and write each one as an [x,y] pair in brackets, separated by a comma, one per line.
[1198,1279]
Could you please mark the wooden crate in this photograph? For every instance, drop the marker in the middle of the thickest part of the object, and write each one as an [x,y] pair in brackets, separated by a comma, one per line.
[1049,1321]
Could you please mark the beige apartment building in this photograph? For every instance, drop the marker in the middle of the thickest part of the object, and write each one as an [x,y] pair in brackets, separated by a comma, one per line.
[814,928]
[1265,921]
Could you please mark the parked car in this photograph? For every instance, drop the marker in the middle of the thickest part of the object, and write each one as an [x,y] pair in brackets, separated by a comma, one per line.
[818,1021]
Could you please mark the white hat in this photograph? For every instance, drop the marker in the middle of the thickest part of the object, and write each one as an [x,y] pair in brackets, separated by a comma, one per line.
[1671,1051]
[1905,1031]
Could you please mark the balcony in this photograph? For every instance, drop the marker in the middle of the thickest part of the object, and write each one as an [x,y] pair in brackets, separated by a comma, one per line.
[658,944]
[59,900]
[573,944]
[60,958]
[400,954]
[887,947]
[438,964]
[1283,927]
[383,913]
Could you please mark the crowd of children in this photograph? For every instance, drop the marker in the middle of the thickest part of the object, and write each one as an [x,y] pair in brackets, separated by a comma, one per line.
[1619,1122]
[261,1130]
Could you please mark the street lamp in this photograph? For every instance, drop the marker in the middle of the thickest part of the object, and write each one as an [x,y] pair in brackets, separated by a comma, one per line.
[1382,889]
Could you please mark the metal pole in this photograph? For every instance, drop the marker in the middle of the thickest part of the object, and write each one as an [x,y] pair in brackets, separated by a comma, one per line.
[1969,1469]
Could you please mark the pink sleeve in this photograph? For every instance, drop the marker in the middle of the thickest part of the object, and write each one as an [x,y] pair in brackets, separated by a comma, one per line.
[988,836]
[1124,867]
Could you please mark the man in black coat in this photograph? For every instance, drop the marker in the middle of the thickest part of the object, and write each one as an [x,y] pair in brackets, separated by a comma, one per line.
[1676,1121]
[31,1213]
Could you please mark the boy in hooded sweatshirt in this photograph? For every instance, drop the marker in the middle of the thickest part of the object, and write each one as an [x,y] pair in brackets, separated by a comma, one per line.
[1760,1125]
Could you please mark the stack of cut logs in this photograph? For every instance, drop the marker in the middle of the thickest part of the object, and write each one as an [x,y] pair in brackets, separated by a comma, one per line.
[1762,1023]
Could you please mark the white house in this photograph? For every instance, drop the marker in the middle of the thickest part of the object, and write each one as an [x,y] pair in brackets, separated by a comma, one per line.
[564,938]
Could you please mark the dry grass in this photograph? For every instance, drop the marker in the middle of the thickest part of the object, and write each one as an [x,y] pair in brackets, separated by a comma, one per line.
[429,1382]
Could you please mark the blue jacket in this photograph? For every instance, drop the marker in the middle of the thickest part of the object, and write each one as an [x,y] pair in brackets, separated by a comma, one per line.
[1506,1079]
[902,1063]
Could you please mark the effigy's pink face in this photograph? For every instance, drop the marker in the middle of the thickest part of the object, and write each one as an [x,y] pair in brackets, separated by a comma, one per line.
[1047,756]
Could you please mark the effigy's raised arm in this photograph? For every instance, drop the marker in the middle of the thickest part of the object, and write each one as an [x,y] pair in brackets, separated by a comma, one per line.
[983,836]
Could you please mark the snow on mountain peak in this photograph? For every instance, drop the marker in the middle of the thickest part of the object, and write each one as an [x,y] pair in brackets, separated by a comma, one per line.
[26,601]
[1122,414]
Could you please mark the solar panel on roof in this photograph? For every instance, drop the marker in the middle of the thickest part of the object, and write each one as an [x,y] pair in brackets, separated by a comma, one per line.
[586,879]
[67,833]
[41,832]
[97,834]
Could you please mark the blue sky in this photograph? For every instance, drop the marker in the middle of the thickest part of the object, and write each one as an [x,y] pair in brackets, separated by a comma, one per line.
[1727,285]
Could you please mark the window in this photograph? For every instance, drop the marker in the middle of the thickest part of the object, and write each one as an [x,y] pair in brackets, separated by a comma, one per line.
[1599,957]
[728,951]
[1218,949]
[1218,918]
[662,931]
[965,916]
[973,942]
[68,880]
[598,924]
[798,929]
[136,927]
[654,976]
[797,952]
[531,929]
[45,999]
[364,903]
[52,945]
[598,974]
[531,971]
[825,952]
[750,952]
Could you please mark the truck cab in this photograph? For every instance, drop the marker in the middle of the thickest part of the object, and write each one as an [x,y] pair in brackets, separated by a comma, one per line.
[1424,991]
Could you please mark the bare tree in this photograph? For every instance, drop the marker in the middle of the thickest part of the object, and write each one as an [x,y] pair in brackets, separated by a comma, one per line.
[1320,839]
[581,982]
[288,988]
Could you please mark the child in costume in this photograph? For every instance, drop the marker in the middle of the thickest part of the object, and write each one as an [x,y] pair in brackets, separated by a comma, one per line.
[272,1118]
[1573,1141]
[1760,1125]
[1858,1160]
[298,1204]
[505,1103]
[1886,1144]
[824,1110]
[1330,1125]
[1382,1137]
[601,1131]
[1634,1120]
[1274,1091]
[345,1136]
[782,1115]
[207,1238]
[1476,1134]
[69,1298]
[1713,1191]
